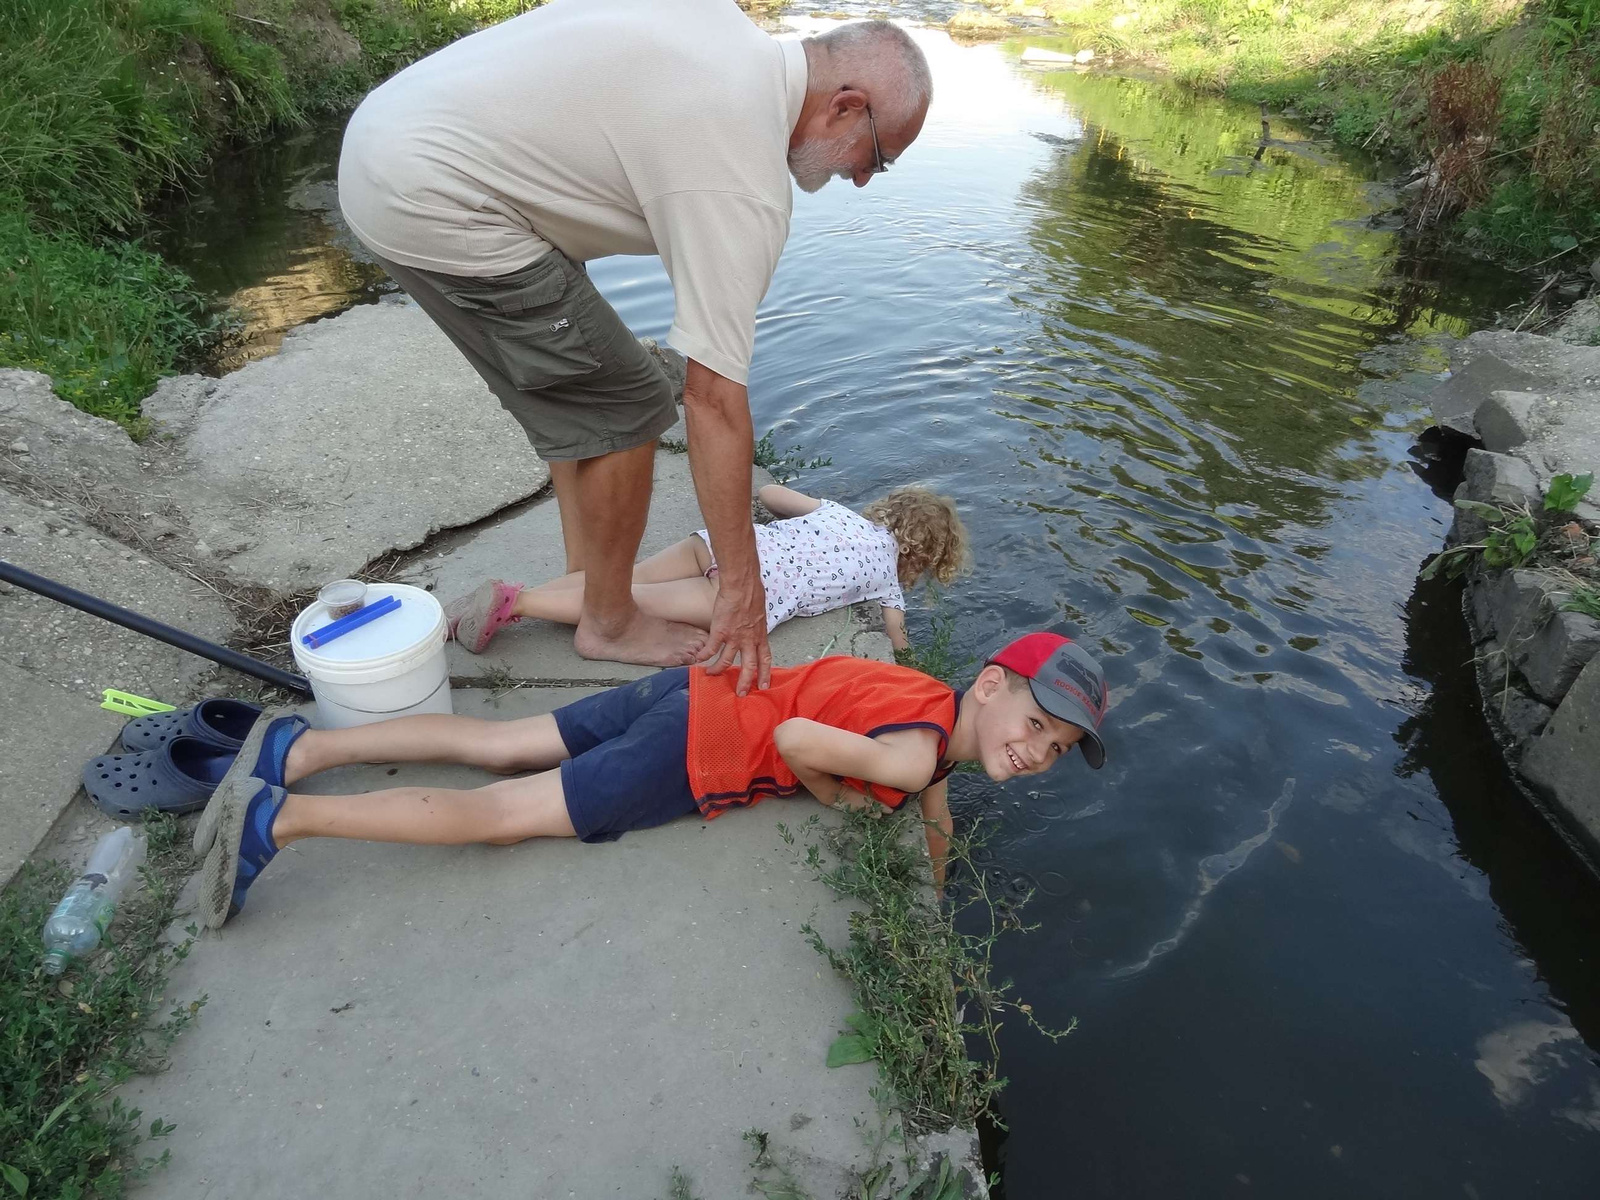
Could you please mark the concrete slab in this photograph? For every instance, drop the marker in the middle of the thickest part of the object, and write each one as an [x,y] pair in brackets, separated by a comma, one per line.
[550,1019]
[528,548]
[84,654]
[40,759]
[56,661]
[366,433]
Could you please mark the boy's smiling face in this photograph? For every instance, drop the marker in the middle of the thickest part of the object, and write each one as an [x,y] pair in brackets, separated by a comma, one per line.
[1014,736]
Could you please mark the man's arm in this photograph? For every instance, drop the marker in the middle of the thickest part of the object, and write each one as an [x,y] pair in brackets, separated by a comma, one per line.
[936,823]
[820,755]
[721,445]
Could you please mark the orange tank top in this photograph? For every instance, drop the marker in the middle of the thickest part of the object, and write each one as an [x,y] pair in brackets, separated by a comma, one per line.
[731,757]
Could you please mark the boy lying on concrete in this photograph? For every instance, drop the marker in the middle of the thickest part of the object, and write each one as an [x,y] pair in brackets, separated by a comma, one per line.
[853,732]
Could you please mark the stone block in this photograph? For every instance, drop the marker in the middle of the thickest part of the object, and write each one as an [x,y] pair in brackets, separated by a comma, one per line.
[1456,399]
[1507,419]
[1581,325]
[1490,478]
[1518,603]
[1520,716]
[1564,762]
[1482,587]
[1552,658]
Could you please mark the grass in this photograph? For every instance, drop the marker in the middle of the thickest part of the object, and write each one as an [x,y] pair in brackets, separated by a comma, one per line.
[67,1043]
[784,465]
[904,952]
[105,320]
[1502,97]
[680,1186]
[108,106]
[936,654]
[774,1178]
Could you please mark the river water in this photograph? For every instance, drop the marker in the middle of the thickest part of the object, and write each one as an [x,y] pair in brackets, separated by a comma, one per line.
[1316,943]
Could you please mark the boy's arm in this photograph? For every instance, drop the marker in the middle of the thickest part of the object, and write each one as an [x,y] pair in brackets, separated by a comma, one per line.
[936,823]
[820,755]
[785,502]
[894,624]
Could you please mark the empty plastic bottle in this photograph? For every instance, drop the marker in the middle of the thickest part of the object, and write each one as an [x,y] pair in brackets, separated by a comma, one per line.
[75,927]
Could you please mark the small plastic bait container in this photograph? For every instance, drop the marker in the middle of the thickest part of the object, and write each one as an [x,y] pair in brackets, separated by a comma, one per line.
[342,597]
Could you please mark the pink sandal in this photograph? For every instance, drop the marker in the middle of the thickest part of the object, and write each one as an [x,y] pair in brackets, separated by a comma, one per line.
[476,617]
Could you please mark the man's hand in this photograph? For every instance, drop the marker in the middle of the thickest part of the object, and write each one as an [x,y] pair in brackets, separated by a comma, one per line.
[739,631]
[721,445]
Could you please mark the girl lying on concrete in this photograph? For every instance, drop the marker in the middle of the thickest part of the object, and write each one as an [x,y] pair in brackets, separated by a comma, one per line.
[854,732]
[816,557]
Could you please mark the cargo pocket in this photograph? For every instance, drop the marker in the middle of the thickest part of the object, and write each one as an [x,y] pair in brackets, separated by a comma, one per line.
[531,322]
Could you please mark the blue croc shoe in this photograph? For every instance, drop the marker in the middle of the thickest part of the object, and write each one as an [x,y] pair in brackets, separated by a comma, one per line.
[176,777]
[222,722]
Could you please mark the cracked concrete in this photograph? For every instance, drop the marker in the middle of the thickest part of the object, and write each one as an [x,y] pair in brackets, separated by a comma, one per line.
[547,1019]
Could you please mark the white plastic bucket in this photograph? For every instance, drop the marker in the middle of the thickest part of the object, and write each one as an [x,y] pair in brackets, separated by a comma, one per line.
[393,666]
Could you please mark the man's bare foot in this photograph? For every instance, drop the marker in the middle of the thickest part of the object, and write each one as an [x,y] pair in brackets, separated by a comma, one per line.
[647,641]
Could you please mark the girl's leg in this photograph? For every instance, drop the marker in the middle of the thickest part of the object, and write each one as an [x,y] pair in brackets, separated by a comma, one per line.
[502,813]
[686,600]
[504,747]
[682,560]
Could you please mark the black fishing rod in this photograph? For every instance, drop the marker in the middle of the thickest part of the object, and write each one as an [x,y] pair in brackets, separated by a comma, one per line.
[152,628]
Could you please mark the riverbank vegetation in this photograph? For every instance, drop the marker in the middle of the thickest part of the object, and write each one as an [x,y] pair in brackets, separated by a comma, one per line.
[67,1044]
[1499,100]
[108,107]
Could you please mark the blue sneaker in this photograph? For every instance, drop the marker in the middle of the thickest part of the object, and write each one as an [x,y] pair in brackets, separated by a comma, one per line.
[243,846]
[277,735]
[262,756]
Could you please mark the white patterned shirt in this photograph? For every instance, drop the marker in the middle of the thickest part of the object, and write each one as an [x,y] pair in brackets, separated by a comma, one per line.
[827,559]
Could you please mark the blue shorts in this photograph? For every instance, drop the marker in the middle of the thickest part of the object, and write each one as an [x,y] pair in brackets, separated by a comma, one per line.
[629,765]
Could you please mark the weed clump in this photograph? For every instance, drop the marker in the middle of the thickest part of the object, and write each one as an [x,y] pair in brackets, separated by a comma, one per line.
[66,1044]
[922,984]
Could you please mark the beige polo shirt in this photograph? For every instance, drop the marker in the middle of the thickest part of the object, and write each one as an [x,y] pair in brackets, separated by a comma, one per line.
[599,127]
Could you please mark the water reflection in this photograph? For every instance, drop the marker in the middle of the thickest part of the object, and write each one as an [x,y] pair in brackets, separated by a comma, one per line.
[256,240]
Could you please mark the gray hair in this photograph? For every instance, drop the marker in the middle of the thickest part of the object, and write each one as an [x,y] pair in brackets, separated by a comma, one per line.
[879,58]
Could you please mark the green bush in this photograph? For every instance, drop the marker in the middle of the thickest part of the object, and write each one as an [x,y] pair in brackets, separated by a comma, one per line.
[104,321]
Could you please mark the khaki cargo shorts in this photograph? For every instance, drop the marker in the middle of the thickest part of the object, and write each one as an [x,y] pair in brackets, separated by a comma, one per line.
[555,353]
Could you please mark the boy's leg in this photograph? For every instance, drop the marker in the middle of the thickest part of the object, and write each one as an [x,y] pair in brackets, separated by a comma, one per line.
[624,718]
[503,747]
[246,817]
[510,810]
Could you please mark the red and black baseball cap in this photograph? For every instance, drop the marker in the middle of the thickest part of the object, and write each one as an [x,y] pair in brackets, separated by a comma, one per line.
[1066,682]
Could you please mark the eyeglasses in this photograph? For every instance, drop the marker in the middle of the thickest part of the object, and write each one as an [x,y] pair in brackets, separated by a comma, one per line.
[879,166]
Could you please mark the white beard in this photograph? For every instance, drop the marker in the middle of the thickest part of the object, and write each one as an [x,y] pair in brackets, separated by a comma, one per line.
[814,163]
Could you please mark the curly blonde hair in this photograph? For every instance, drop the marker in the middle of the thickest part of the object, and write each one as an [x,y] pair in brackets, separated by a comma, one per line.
[929,532]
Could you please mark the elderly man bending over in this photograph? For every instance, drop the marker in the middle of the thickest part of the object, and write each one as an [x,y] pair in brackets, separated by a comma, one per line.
[486,175]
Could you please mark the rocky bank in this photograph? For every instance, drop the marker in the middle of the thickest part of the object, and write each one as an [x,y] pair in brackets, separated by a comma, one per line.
[1530,406]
